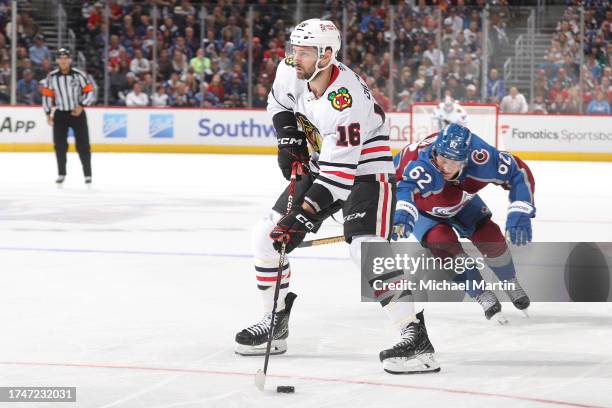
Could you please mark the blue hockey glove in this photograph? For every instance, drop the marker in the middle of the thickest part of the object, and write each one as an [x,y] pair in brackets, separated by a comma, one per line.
[518,223]
[405,217]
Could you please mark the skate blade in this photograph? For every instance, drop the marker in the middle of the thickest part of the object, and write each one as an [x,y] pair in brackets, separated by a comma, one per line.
[500,318]
[278,347]
[526,315]
[420,364]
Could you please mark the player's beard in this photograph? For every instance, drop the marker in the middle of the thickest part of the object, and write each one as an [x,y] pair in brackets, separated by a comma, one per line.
[303,74]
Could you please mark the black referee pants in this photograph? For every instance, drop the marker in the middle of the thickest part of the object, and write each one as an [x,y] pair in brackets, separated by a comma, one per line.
[62,120]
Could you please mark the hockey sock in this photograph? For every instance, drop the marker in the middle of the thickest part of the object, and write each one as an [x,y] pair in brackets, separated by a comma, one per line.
[397,304]
[491,243]
[266,263]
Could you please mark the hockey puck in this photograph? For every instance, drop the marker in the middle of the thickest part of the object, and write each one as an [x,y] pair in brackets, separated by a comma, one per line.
[285,389]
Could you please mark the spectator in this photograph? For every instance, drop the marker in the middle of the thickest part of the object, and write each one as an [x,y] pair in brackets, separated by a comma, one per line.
[181,96]
[43,69]
[200,63]
[216,87]
[137,97]
[5,54]
[574,103]
[169,30]
[456,90]
[5,81]
[558,106]
[27,89]
[470,94]
[498,36]
[206,99]
[179,62]
[147,84]
[191,41]
[471,66]
[128,86]
[190,80]
[39,51]
[538,105]
[594,66]
[495,87]
[180,45]
[139,65]
[405,102]
[599,105]
[514,102]
[433,54]
[160,98]
[164,65]
[564,79]
[260,99]
[94,21]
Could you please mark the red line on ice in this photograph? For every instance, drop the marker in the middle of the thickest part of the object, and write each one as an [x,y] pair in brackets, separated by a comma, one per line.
[305,378]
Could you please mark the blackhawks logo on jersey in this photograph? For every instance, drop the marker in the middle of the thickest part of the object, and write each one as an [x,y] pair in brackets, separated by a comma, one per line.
[289,61]
[340,100]
[312,133]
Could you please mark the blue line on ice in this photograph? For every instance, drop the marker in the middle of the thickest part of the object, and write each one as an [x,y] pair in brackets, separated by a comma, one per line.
[157,253]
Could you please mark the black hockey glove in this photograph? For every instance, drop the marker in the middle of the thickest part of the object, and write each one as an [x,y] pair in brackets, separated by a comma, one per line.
[292,147]
[292,229]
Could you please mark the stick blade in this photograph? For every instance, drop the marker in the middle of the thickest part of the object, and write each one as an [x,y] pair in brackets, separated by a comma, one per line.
[260,380]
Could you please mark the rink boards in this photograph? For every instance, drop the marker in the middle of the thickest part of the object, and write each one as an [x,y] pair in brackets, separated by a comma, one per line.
[250,131]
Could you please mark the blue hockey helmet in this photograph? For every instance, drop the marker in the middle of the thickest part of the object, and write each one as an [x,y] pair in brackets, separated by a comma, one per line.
[453,142]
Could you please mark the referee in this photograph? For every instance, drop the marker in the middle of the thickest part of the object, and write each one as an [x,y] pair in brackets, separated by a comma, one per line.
[69,89]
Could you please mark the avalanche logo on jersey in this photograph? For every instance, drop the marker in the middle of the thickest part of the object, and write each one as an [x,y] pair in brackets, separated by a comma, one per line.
[446,212]
[480,156]
[312,133]
[340,100]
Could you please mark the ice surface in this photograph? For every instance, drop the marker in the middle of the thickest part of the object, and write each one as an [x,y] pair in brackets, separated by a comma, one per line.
[133,291]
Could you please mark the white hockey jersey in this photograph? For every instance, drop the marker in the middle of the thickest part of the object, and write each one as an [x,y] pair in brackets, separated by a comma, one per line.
[347,132]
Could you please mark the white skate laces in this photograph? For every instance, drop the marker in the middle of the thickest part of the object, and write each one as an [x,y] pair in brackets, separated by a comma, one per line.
[408,335]
[263,326]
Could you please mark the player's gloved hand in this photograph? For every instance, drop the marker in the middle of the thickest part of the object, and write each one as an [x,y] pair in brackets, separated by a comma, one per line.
[292,229]
[403,221]
[292,147]
[518,223]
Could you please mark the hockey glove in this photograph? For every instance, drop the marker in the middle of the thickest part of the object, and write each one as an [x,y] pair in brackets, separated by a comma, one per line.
[292,147]
[292,229]
[518,223]
[404,220]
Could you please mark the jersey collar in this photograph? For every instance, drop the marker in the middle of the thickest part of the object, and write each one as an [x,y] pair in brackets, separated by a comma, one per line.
[334,75]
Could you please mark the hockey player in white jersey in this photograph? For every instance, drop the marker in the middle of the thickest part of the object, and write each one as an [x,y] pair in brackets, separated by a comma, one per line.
[448,112]
[318,102]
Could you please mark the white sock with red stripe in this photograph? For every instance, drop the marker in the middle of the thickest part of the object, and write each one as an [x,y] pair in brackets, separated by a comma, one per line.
[398,305]
[266,281]
[266,263]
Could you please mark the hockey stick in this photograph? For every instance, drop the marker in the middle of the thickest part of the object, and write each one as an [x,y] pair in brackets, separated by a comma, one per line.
[321,241]
[332,240]
[260,377]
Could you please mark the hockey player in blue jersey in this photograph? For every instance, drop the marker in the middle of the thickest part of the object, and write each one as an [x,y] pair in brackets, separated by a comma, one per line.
[438,181]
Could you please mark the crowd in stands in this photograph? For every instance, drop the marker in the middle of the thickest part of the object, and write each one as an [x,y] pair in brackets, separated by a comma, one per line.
[557,84]
[34,60]
[437,52]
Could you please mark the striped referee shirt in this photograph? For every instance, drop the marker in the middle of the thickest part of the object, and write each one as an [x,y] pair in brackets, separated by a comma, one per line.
[67,91]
